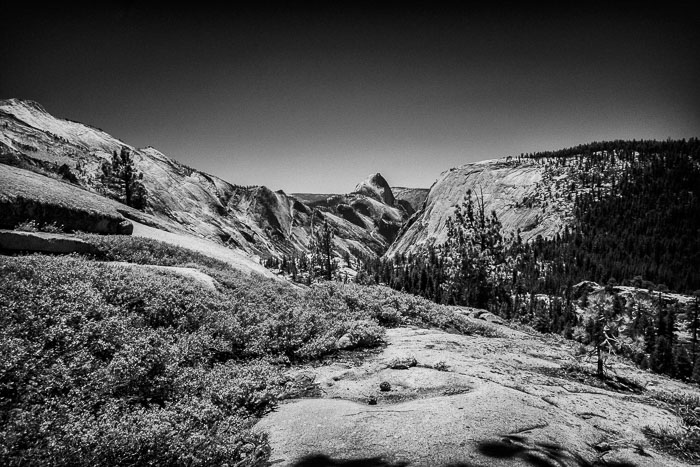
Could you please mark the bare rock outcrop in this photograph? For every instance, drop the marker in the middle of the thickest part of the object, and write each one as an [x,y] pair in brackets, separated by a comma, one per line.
[471,400]
[411,199]
[375,186]
[514,191]
[16,241]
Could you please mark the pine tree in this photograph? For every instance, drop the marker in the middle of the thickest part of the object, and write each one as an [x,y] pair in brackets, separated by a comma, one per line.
[125,179]
[683,365]
[322,249]
[663,350]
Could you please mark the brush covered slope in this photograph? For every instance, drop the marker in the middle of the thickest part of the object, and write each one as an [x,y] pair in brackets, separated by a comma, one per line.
[160,355]
[252,219]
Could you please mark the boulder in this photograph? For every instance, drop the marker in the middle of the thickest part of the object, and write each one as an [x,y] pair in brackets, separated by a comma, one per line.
[15,241]
[491,318]
[345,342]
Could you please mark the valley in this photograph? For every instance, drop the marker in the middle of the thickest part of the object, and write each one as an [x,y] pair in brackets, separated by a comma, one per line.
[539,309]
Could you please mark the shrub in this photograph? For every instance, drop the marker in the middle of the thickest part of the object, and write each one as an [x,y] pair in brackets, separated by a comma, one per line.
[683,443]
[27,226]
[33,226]
[106,366]
[365,333]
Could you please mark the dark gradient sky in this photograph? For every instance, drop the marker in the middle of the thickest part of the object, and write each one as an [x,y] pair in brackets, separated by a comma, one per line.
[314,98]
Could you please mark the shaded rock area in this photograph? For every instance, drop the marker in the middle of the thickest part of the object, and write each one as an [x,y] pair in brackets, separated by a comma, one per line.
[411,198]
[349,214]
[467,401]
[25,195]
[15,241]
[20,210]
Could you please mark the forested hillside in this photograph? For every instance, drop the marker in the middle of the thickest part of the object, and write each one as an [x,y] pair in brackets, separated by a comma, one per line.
[636,219]
[637,213]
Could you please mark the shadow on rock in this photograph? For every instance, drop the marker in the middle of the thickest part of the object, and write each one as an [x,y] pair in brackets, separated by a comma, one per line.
[321,460]
[534,453]
[539,454]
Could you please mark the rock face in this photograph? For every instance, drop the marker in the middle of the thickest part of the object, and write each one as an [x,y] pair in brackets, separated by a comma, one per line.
[515,191]
[376,187]
[15,241]
[503,401]
[411,199]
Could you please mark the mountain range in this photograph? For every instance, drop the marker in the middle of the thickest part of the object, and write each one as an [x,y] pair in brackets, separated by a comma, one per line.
[255,220]
[54,170]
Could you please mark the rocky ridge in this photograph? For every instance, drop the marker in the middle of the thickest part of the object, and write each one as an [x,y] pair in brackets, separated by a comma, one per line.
[254,220]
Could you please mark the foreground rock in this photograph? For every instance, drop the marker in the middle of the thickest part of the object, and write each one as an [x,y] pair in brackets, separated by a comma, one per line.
[16,241]
[502,401]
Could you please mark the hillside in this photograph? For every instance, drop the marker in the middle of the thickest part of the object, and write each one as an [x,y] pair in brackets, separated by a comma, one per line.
[410,197]
[616,209]
[253,220]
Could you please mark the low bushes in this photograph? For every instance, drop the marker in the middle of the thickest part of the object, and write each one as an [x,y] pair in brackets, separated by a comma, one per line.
[106,365]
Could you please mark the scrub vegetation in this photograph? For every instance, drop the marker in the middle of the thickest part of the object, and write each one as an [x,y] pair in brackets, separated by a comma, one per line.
[111,365]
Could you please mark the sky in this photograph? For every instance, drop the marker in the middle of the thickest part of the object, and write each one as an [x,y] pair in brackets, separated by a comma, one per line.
[314,97]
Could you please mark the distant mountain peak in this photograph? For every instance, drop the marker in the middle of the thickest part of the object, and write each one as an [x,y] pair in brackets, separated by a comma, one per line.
[376,186]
